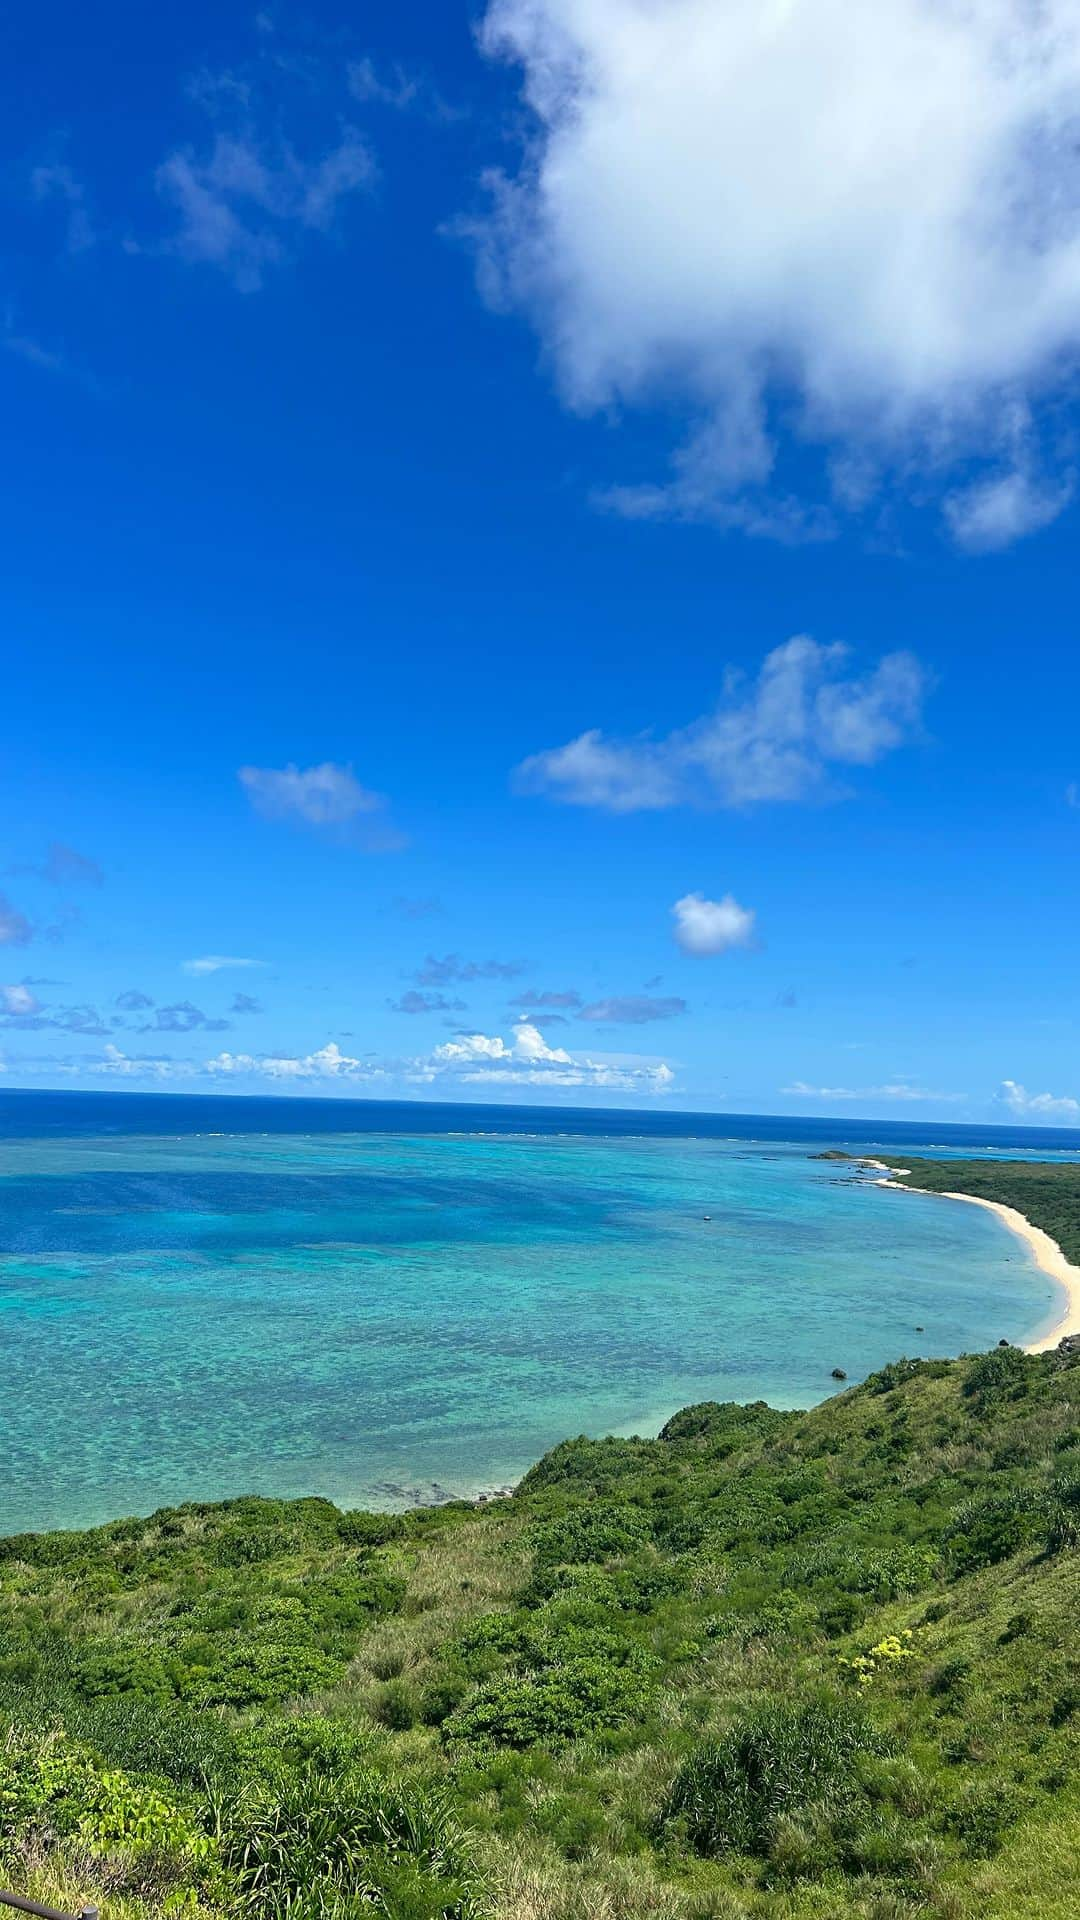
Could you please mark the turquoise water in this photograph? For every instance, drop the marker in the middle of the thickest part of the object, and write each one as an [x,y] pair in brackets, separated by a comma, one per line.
[382,1317]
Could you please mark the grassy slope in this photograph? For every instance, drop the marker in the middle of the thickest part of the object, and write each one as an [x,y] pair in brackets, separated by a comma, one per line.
[1047,1194]
[195,1699]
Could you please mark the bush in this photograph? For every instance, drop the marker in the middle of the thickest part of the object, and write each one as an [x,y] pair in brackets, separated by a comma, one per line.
[360,1529]
[573,1701]
[775,1763]
[983,1532]
[1001,1374]
[602,1531]
[370,1843]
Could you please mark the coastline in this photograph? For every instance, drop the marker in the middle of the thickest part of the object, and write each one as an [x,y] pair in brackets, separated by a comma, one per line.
[1044,1250]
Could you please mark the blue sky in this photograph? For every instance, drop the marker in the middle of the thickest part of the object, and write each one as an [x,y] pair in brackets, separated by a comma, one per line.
[540,553]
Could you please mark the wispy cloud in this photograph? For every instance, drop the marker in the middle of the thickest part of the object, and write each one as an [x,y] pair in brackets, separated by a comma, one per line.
[567,998]
[56,184]
[416,1002]
[64,866]
[879,269]
[900,1090]
[327,799]
[633,1010]
[451,968]
[244,1003]
[15,928]
[712,926]
[183,1017]
[778,737]
[217,962]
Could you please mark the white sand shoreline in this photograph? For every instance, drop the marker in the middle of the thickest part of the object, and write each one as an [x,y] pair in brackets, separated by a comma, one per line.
[1046,1253]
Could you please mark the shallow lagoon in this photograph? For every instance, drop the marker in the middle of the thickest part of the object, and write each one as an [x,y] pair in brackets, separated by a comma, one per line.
[383,1316]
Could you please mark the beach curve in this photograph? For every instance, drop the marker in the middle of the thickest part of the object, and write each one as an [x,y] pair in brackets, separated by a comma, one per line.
[1045,1251]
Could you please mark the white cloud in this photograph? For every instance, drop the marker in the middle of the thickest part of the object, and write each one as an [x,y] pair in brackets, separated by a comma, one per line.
[322,796]
[902,1090]
[1042,1108]
[328,798]
[712,926]
[237,204]
[19,1000]
[995,512]
[527,1060]
[865,224]
[328,1063]
[215,962]
[773,738]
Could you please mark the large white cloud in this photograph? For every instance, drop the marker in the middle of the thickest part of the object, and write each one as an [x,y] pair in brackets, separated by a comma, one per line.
[862,219]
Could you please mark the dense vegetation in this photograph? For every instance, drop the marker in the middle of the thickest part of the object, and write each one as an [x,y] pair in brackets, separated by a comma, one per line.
[788,1666]
[1048,1193]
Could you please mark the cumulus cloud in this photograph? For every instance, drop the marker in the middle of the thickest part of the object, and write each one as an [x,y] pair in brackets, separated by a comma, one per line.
[416,1002]
[239,202]
[327,1063]
[902,1090]
[775,737]
[712,926]
[868,240]
[1039,1108]
[15,928]
[528,1060]
[633,1010]
[214,962]
[133,1001]
[525,1059]
[444,972]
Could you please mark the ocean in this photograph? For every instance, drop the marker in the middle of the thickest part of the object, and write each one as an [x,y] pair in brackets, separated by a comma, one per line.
[389,1302]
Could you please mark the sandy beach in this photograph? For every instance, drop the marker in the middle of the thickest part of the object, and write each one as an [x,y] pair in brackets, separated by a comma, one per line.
[1046,1252]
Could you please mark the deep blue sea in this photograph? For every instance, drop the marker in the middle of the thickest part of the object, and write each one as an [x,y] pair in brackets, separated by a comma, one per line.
[384,1302]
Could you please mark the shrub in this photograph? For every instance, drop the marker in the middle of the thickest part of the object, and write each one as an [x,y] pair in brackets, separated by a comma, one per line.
[266,1671]
[985,1531]
[1063,1521]
[573,1701]
[774,1763]
[598,1532]
[360,1529]
[371,1842]
[1001,1374]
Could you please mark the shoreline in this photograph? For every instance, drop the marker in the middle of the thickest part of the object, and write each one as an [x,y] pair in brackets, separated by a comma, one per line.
[1045,1252]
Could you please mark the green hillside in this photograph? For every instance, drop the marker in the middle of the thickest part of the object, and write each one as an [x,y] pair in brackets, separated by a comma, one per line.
[769,1665]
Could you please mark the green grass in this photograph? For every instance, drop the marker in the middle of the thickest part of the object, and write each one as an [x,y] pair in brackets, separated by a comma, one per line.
[806,1666]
